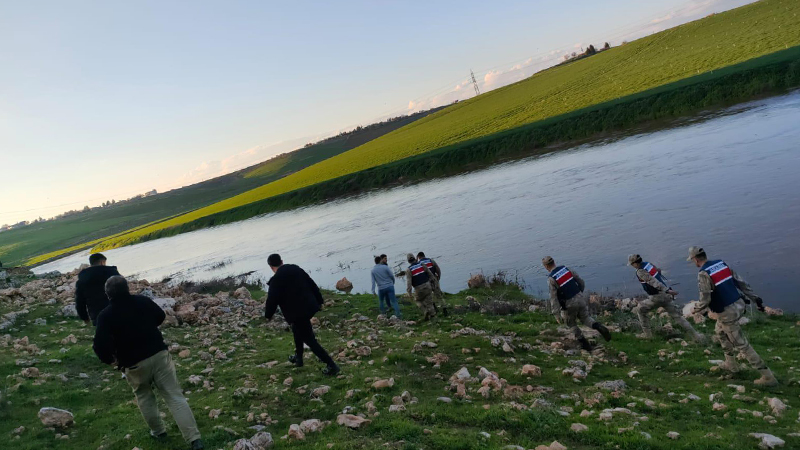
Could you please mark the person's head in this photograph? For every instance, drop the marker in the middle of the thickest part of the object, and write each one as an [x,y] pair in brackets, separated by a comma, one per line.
[378,260]
[697,255]
[410,258]
[384,259]
[274,262]
[635,261]
[117,287]
[420,255]
[97,259]
[548,263]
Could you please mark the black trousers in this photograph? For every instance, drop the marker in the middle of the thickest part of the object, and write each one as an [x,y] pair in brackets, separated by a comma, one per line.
[304,334]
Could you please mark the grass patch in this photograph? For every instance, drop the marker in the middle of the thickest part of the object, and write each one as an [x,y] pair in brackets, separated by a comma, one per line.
[105,413]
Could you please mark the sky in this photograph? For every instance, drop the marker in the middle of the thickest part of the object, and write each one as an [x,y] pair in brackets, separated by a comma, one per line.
[105,100]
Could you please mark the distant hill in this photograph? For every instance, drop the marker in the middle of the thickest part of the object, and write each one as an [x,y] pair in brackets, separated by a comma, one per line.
[83,228]
[750,37]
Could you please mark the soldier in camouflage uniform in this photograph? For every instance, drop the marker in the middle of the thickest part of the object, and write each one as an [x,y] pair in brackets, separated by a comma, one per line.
[419,277]
[660,295]
[721,293]
[568,303]
[438,295]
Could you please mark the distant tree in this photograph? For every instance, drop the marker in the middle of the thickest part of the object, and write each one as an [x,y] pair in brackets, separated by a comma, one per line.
[86,208]
[574,54]
[607,46]
[591,50]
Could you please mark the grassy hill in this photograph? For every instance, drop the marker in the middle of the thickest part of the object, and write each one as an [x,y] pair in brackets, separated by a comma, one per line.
[670,386]
[87,228]
[702,51]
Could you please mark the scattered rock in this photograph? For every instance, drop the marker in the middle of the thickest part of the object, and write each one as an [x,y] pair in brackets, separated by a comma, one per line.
[383,384]
[768,441]
[54,417]
[312,425]
[296,433]
[344,285]
[531,370]
[352,421]
[614,385]
[777,406]
[477,281]
[673,435]
[578,427]
[555,445]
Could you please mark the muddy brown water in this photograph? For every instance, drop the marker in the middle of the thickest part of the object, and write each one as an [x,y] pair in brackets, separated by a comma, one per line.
[727,181]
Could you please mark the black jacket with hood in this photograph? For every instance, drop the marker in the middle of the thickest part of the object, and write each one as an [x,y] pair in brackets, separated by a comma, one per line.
[295,292]
[90,291]
[127,331]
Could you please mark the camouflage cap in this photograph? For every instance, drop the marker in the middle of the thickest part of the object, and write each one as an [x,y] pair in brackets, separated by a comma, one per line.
[694,251]
[547,261]
[634,258]
[410,257]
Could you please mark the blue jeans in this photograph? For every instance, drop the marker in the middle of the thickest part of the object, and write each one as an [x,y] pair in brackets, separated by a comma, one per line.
[386,297]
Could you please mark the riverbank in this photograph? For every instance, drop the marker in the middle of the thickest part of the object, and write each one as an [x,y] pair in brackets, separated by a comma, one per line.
[539,387]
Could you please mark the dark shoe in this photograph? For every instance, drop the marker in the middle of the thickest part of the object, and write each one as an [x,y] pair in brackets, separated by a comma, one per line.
[160,436]
[296,360]
[603,330]
[197,445]
[331,371]
[444,312]
[585,344]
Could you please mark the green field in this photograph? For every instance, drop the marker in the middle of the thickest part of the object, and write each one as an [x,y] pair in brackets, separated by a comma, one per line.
[663,59]
[669,372]
[88,228]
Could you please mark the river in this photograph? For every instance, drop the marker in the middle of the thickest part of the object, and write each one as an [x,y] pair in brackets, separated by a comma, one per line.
[727,181]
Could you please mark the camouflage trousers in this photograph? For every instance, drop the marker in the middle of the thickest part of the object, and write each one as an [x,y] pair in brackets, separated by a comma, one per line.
[577,310]
[731,337]
[424,298]
[438,295]
[662,301]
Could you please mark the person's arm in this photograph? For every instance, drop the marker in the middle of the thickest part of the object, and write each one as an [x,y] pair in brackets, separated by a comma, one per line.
[80,301]
[154,312]
[743,286]
[372,274]
[555,307]
[436,270]
[705,288]
[645,277]
[315,289]
[103,345]
[578,280]
[408,282]
[273,295]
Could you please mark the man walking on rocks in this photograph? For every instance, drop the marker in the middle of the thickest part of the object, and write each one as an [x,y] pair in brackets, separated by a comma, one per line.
[438,295]
[420,278]
[721,293]
[127,334]
[299,298]
[383,277]
[90,295]
[660,295]
[568,302]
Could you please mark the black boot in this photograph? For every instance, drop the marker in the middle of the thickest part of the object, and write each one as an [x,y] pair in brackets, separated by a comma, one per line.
[296,360]
[585,344]
[603,330]
[197,445]
[331,371]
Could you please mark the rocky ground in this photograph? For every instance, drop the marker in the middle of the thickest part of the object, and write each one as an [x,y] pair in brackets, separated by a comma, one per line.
[498,373]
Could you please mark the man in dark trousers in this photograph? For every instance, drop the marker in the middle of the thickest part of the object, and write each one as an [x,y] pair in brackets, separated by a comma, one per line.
[127,335]
[90,295]
[299,298]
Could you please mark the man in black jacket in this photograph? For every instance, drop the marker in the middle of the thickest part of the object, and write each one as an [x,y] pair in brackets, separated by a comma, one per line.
[127,335]
[299,298]
[90,295]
